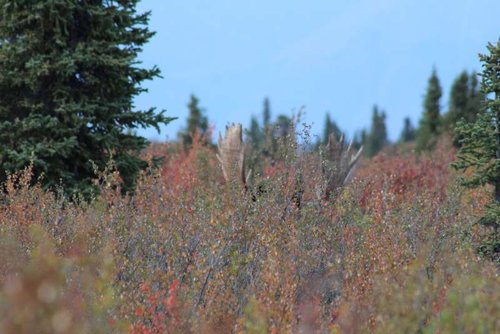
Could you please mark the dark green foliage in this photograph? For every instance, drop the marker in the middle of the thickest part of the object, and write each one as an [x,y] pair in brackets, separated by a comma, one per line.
[330,127]
[264,141]
[480,146]
[197,122]
[282,140]
[261,137]
[363,137]
[68,77]
[475,99]
[266,113]
[376,139]
[359,139]
[409,133]
[465,102]
[458,101]
[254,133]
[256,146]
[282,126]
[268,142]
[430,124]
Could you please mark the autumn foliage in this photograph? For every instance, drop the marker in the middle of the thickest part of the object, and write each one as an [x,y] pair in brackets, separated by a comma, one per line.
[391,252]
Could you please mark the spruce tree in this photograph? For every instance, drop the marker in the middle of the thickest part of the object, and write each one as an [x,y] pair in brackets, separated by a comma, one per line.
[254,133]
[267,128]
[282,126]
[376,139]
[430,124]
[458,105]
[465,103]
[330,127]
[197,122]
[269,145]
[266,113]
[68,77]
[480,147]
[408,134]
[359,139]
[364,137]
[475,99]
[283,142]
[254,147]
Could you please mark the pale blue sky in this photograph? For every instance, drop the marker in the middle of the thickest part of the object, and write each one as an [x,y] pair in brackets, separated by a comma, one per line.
[340,56]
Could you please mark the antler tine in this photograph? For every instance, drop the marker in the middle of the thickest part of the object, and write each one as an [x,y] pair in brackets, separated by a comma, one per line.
[355,157]
[350,146]
[352,163]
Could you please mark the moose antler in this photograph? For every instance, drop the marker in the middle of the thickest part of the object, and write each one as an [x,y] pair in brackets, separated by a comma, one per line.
[232,155]
[337,163]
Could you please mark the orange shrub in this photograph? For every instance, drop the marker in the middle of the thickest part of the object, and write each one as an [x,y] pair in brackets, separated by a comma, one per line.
[188,253]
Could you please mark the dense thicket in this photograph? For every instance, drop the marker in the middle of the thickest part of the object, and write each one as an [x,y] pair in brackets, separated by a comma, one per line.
[68,76]
[390,253]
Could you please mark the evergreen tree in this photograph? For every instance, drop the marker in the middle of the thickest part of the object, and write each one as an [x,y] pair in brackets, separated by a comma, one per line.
[480,150]
[197,122]
[255,133]
[266,113]
[283,142]
[459,96]
[282,126]
[269,142]
[254,148]
[359,139]
[68,77]
[364,137]
[376,139]
[475,99]
[429,128]
[330,127]
[409,133]
[465,103]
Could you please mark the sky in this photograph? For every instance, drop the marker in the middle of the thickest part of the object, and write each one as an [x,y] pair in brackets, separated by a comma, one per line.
[335,56]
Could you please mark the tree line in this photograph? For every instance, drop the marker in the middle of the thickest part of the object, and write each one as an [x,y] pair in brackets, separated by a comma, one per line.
[465,103]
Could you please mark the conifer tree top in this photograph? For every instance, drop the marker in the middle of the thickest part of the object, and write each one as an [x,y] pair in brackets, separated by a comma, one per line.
[68,76]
